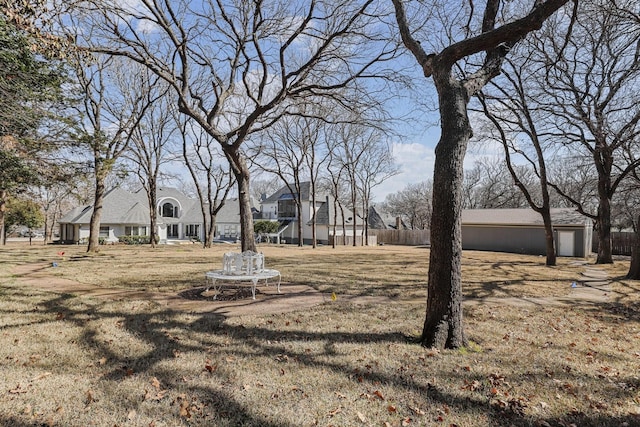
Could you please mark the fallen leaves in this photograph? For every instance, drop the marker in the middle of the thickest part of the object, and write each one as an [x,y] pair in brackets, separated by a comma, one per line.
[156,395]
[89,398]
[335,411]
[21,389]
[155,382]
[188,407]
[513,405]
[18,389]
[209,367]
[472,385]
[379,394]
[417,410]
[184,409]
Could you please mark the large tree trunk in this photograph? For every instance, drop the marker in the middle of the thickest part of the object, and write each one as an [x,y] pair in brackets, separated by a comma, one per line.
[344,226]
[604,161]
[634,267]
[94,224]
[314,236]
[3,208]
[549,237]
[242,175]
[365,211]
[299,214]
[210,232]
[604,232]
[153,213]
[335,220]
[443,326]
[354,212]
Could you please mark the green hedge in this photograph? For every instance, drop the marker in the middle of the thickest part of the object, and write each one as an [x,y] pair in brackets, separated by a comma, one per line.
[266,226]
[135,240]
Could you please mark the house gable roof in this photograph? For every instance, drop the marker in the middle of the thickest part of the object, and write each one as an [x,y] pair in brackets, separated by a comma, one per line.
[73,215]
[285,193]
[123,207]
[138,214]
[521,217]
[324,216]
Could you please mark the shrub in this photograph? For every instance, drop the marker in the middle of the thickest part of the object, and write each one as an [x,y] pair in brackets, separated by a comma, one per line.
[266,227]
[135,240]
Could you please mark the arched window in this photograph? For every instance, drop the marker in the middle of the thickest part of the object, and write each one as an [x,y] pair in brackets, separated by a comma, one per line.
[169,211]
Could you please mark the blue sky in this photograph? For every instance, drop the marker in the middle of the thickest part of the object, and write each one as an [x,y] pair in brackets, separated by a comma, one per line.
[415,156]
[415,140]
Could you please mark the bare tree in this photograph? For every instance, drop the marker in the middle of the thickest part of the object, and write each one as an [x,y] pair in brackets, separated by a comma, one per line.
[515,118]
[443,325]
[212,178]
[284,152]
[335,184]
[236,66]
[294,152]
[589,85]
[412,204]
[147,150]
[55,198]
[265,186]
[470,185]
[575,175]
[114,99]
[349,150]
[489,185]
[628,206]
[315,161]
[375,167]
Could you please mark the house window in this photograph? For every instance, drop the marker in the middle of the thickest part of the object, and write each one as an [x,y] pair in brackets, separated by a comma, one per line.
[286,208]
[228,231]
[104,232]
[172,231]
[135,231]
[169,211]
[192,230]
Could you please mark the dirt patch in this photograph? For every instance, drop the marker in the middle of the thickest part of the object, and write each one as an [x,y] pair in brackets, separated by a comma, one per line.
[236,301]
[592,286]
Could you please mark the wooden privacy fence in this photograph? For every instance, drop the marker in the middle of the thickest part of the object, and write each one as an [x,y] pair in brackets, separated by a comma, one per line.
[340,240]
[402,237]
[621,243]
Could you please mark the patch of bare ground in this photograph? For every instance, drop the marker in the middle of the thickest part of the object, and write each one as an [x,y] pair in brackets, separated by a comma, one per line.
[131,360]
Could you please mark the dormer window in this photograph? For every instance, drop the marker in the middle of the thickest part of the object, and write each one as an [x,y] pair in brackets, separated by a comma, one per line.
[169,210]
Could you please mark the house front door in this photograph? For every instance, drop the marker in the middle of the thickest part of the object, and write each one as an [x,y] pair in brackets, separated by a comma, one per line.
[172,231]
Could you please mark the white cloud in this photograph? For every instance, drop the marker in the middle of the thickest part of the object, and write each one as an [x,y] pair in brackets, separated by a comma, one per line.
[415,162]
[486,149]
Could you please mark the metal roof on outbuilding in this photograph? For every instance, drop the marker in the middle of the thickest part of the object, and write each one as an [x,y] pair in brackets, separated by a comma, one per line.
[514,217]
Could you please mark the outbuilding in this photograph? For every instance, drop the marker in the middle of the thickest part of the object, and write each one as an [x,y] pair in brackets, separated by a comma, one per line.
[522,231]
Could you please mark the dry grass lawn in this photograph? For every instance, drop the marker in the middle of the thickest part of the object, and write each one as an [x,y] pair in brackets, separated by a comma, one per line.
[67,360]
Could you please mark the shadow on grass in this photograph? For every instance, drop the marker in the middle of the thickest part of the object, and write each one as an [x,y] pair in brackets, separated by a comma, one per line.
[152,328]
[271,343]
